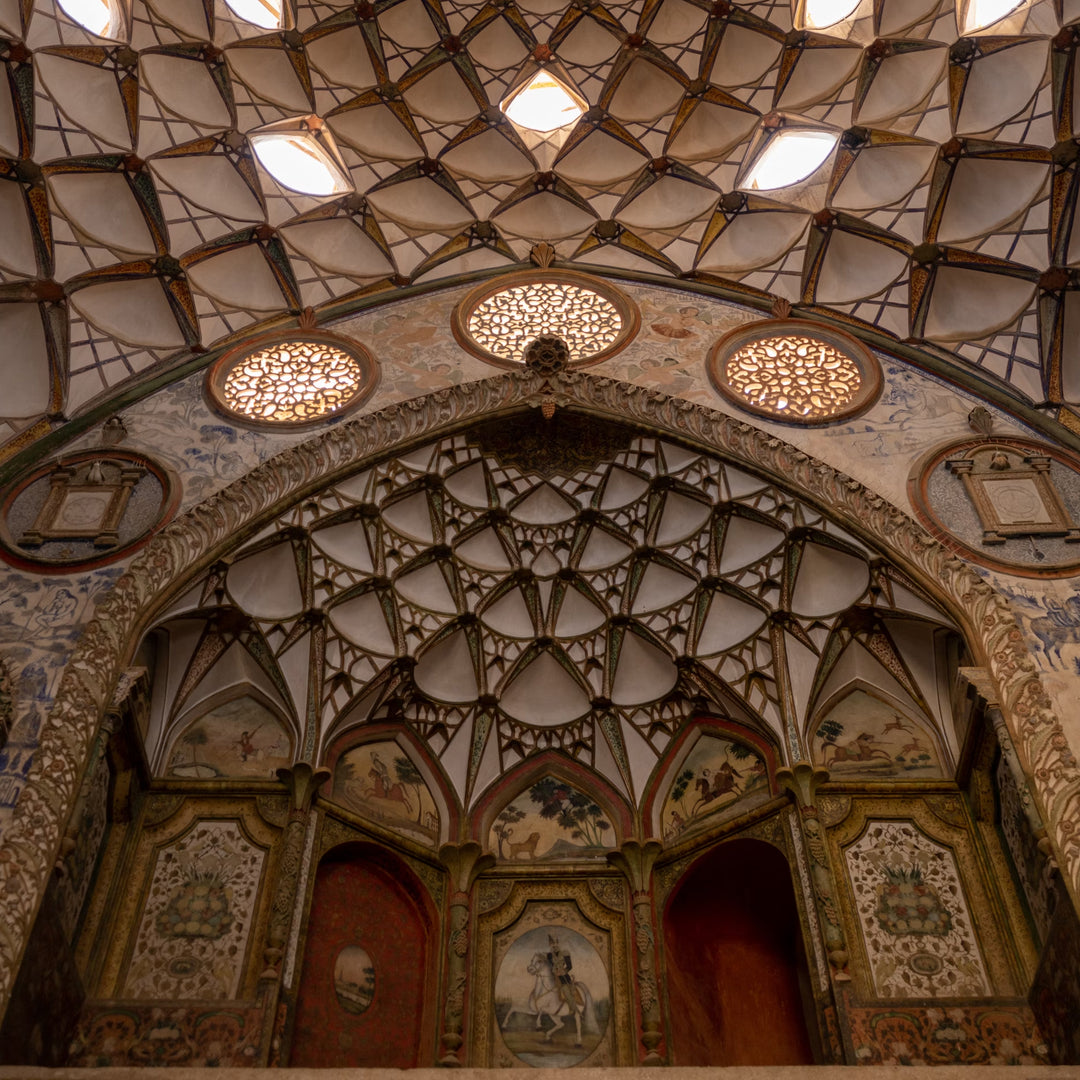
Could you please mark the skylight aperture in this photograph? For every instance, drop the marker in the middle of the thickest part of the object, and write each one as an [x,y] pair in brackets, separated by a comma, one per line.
[102,18]
[979,14]
[821,14]
[303,159]
[789,157]
[544,104]
[264,13]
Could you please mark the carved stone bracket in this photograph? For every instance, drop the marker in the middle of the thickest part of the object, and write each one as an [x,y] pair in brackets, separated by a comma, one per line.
[636,863]
[803,780]
[464,862]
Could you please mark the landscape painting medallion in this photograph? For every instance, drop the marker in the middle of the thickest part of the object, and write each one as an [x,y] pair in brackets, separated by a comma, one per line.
[552,997]
[717,774]
[863,736]
[242,737]
[354,979]
[551,821]
[380,781]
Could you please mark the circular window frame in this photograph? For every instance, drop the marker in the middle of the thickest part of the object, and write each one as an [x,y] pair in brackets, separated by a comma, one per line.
[627,309]
[224,365]
[855,350]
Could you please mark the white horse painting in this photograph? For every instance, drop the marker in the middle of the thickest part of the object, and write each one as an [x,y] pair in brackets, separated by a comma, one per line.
[547,999]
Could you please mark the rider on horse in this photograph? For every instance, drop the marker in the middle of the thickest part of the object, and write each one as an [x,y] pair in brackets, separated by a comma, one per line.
[560,967]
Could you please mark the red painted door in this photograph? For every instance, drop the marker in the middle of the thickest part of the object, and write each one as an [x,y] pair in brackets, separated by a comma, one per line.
[365,980]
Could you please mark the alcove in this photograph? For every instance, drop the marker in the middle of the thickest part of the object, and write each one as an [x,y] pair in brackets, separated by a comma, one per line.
[736,968]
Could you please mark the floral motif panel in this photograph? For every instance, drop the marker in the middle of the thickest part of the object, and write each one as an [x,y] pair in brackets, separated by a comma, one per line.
[913,915]
[198,912]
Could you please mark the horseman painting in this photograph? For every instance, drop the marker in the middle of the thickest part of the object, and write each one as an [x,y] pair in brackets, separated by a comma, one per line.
[552,997]
[379,780]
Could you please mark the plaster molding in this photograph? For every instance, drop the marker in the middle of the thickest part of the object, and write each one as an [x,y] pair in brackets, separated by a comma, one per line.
[30,842]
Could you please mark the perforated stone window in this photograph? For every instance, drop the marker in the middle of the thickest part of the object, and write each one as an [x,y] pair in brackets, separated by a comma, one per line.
[497,322]
[797,372]
[292,381]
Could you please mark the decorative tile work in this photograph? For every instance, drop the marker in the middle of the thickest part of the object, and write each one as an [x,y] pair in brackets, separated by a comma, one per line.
[148,1036]
[968,1035]
[913,915]
[194,927]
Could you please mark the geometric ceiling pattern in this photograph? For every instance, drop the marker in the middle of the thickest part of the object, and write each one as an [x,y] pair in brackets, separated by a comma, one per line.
[136,226]
[502,599]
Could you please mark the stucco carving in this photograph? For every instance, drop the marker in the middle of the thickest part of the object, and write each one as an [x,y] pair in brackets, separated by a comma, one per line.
[29,845]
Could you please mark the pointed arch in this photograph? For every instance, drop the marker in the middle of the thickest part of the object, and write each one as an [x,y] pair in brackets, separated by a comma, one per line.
[191,543]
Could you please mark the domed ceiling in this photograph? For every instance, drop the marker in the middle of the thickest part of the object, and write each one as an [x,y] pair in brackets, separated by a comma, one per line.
[501,598]
[137,229]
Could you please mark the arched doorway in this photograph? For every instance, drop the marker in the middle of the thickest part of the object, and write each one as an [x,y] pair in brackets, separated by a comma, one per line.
[367,983]
[736,969]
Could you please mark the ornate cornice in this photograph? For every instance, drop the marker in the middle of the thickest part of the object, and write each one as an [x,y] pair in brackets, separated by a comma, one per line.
[30,842]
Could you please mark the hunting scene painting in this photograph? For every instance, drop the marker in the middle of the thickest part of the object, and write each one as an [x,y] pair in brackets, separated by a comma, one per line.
[717,774]
[242,737]
[380,781]
[863,736]
[552,997]
[551,822]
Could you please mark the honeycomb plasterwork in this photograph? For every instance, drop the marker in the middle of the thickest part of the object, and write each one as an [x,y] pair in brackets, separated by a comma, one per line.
[140,228]
[913,915]
[33,834]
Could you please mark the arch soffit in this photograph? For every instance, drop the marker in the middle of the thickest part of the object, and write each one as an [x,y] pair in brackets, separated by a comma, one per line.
[31,840]
[663,776]
[549,763]
[442,791]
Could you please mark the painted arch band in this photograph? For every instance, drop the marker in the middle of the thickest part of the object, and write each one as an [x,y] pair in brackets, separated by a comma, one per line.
[29,843]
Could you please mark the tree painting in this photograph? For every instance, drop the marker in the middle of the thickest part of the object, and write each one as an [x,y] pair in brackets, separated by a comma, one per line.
[681,786]
[195,738]
[504,826]
[408,774]
[573,811]
[830,730]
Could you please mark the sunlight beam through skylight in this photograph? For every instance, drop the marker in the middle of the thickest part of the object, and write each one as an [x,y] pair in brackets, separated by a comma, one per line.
[979,14]
[100,17]
[789,157]
[820,14]
[264,13]
[543,105]
[297,161]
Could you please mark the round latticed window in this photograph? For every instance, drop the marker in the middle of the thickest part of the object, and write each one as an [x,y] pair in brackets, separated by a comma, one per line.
[292,381]
[497,321]
[796,372]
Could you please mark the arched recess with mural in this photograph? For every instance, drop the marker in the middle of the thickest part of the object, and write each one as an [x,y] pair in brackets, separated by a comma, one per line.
[432,601]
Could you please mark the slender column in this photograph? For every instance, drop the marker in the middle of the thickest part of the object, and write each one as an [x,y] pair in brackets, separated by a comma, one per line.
[465,862]
[803,780]
[636,863]
[303,782]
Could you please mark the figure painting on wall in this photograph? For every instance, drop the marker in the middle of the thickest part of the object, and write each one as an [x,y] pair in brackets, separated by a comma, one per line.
[861,734]
[552,997]
[239,738]
[380,781]
[552,821]
[717,773]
